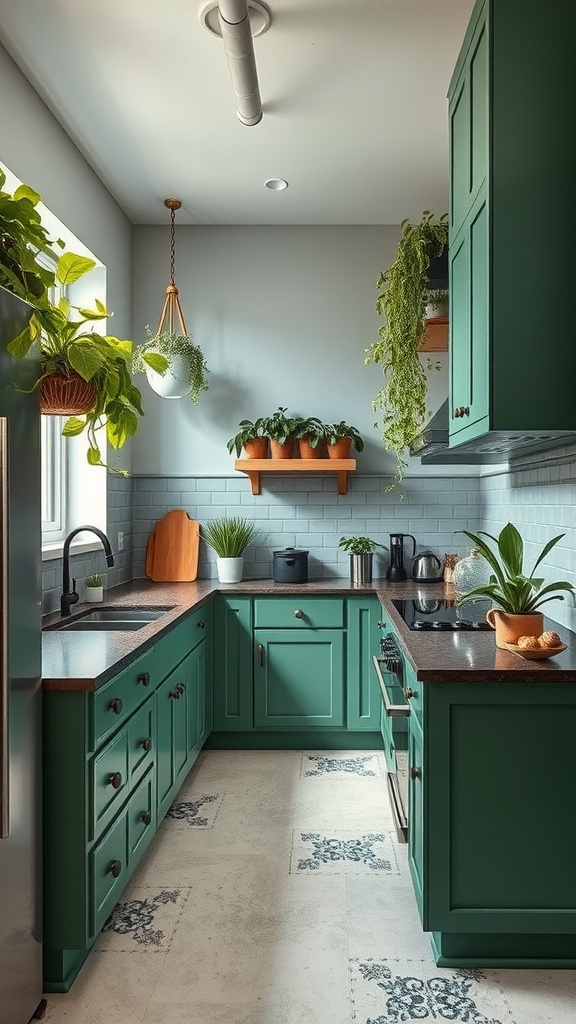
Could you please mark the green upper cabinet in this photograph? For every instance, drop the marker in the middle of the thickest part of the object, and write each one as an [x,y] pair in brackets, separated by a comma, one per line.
[512,222]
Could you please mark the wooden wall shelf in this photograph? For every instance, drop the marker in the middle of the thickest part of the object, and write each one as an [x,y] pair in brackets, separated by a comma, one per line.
[436,337]
[255,467]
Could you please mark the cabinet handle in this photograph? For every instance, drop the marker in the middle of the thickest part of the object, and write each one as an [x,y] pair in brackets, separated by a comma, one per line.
[415,773]
[410,694]
[181,687]
[116,705]
[298,614]
[261,654]
[144,678]
[115,868]
[175,694]
[200,625]
[146,817]
[147,744]
[381,625]
[392,710]
[115,779]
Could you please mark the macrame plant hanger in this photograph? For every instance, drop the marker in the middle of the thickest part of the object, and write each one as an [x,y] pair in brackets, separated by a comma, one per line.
[172,302]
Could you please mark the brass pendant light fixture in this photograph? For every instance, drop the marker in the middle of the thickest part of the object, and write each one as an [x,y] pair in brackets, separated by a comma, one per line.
[172,305]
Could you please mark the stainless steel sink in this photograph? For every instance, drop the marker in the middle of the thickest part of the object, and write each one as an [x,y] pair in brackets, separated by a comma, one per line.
[117,619]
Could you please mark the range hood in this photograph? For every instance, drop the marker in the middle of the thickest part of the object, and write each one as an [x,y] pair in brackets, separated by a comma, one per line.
[496,446]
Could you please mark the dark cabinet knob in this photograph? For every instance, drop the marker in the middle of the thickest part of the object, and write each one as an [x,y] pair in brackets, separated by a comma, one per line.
[115,779]
[147,744]
[175,694]
[116,705]
[201,625]
[144,678]
[115,868]
[409,693]
[298,614]
[181,687]
[146,817]
[381,625]
[415,773]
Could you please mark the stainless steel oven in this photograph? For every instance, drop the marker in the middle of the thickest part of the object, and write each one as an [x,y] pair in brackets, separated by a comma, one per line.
[389,667]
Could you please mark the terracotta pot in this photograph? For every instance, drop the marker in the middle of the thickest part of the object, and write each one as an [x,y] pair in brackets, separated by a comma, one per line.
[281,451]
[510,626]
[66,396]
[340,450]
[307,451]
[256,448]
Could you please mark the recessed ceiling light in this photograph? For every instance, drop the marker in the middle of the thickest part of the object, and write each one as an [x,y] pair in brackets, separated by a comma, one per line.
[276,184]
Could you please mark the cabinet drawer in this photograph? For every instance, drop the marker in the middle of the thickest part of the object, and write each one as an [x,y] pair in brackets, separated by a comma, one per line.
[141,816]
[141,736]
[298,613]
[115,701]
[109,772]
[108,872]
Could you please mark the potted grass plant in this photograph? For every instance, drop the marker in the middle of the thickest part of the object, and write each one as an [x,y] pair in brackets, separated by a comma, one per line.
[517,596]
[229,536]
[94,588]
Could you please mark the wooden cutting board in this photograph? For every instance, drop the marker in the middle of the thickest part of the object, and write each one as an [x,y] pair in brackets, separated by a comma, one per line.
[172,549]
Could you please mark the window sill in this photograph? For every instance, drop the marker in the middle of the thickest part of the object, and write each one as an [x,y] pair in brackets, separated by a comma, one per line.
[56,549]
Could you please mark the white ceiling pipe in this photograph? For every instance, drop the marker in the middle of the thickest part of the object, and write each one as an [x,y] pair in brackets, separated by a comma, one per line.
[239,50]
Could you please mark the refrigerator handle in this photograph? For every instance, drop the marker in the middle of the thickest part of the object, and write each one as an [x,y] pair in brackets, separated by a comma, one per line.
[4,780]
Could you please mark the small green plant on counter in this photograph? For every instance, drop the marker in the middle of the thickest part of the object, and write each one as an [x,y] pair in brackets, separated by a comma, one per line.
[229,536]
[358,545]
[94,581]
[509,588]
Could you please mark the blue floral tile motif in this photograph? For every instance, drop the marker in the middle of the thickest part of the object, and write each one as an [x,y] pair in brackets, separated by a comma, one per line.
[340,852]
[189,811]
[348,765]
[137,918]
[463,997]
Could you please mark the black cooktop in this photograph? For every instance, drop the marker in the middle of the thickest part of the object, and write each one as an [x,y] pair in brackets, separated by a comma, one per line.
[432,614]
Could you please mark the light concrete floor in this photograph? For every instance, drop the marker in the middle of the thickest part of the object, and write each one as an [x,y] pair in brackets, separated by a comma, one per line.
[275,892]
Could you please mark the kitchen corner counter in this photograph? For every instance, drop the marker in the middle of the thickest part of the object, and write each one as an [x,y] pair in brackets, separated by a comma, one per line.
[84,661]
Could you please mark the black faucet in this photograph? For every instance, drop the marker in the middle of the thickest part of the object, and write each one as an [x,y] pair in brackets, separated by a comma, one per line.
[68,597]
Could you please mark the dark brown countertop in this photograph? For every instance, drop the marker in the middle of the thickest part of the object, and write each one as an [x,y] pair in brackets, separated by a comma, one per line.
[84,661]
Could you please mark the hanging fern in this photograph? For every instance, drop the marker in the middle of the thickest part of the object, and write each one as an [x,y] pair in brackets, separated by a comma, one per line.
[401,299]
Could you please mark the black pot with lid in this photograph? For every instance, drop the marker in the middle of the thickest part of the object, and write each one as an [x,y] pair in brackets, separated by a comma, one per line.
[290,566]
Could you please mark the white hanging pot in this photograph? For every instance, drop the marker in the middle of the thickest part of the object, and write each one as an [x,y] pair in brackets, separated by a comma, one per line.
[230,569]
[174,383]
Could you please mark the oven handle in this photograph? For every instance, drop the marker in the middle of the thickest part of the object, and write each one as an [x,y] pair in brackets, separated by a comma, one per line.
[392,710]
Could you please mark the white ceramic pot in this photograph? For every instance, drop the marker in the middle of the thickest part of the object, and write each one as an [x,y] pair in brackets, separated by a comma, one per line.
[174,383]
[93,594]
[230,569]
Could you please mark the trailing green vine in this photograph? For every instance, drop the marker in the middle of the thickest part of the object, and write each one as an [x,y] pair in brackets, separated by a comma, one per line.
[159,350]
[401,299]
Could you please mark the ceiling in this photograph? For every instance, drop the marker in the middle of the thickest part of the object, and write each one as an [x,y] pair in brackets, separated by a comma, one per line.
[353,99]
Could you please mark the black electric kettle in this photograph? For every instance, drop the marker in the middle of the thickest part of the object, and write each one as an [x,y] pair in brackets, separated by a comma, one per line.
[427,568]
[396,570]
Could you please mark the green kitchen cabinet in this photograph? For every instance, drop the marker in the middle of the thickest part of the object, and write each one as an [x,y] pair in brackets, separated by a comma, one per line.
[416,814]
[232,676]
[298,678]
[510,233]
[175,698]
[364,620]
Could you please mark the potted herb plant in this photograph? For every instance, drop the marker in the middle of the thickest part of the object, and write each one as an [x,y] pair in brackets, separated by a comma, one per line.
[251,438]
[361,551]
[401,299]
[229,537]
[310,434]
[94,588]
[516,596]
[339,439]
[279,428]
[173,364]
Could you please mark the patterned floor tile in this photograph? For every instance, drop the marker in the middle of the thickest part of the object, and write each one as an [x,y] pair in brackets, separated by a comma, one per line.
[343,852]
[198,812]
[409,991]
[366,765]
[145,919]
[540,997]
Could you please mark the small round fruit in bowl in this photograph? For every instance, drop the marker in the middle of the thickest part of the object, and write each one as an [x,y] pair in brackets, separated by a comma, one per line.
[538,648]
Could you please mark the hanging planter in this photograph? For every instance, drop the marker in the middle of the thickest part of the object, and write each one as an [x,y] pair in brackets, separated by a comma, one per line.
[62,395]
[174,365]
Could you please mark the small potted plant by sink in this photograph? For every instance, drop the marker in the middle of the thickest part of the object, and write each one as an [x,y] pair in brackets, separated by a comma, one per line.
[361,551]
[229,537]
[94,588]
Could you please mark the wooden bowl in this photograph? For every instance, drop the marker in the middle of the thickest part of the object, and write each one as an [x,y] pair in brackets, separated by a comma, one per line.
[537,653]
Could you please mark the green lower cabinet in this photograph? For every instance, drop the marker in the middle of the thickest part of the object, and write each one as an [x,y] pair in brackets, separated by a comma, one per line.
[363,698]
[491,810]
[173,700]
[298,678]
[416,819]
[232,674]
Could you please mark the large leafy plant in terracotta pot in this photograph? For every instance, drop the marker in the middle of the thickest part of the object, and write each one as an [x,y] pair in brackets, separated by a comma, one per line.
[517,596]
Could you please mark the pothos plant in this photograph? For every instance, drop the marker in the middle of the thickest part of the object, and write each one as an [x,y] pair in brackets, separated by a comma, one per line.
[158,352]
[402,300]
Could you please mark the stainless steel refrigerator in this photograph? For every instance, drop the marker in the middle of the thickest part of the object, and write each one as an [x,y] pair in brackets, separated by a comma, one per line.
[20,680]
